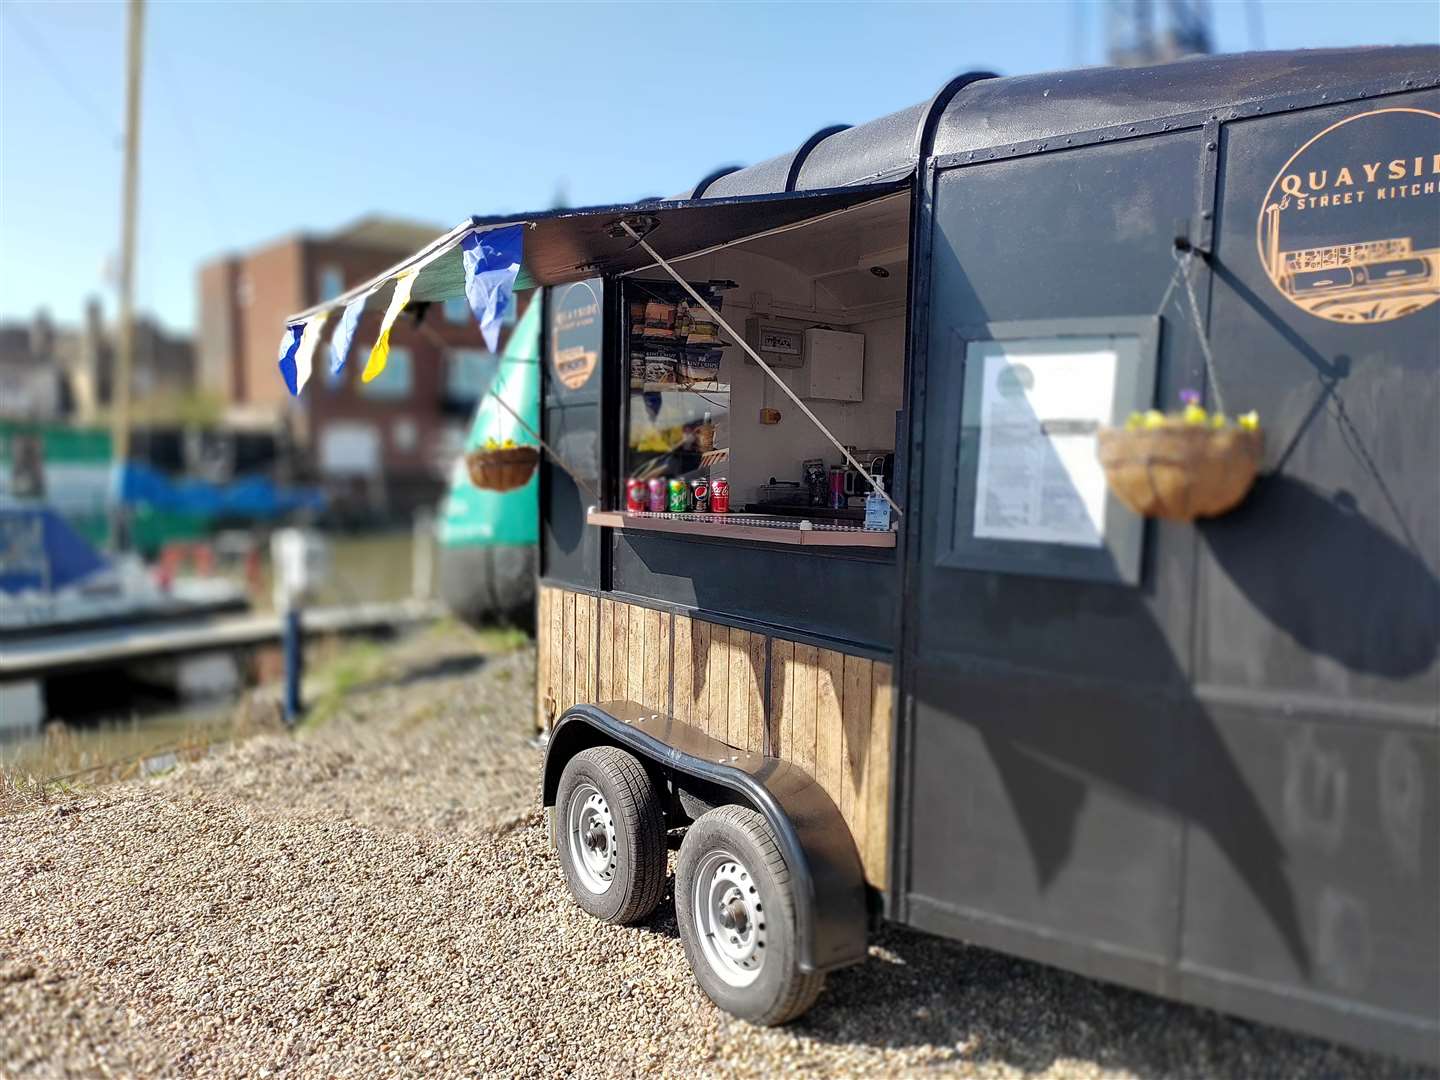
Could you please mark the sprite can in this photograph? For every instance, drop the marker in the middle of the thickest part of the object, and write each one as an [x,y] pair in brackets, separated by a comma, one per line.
[679,496]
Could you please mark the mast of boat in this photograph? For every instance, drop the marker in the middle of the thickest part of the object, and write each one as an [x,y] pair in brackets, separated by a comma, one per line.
[125,352]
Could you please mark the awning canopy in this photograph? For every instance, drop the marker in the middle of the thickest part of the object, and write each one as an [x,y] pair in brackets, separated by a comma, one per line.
[572,244]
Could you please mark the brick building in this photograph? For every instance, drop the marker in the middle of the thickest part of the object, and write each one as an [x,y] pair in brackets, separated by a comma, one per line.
[385,445]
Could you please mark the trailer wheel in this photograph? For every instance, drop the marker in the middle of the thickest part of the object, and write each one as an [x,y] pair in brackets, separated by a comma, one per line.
[610,821]
[736,911]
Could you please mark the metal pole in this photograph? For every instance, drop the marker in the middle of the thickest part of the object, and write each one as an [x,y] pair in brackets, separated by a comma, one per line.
[293,645]
[125,353]
[422,555]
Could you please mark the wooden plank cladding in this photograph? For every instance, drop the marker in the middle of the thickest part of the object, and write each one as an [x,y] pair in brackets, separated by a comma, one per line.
[826,711]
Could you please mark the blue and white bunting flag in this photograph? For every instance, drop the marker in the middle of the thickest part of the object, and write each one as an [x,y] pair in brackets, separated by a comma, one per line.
[289,346]
[345,333]
[305,354]
[492,262]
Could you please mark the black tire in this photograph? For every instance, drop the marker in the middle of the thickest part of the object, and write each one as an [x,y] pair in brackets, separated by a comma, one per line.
[623,849]
[737,841]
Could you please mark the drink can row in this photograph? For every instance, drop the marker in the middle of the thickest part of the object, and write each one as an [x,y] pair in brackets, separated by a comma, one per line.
[660,495]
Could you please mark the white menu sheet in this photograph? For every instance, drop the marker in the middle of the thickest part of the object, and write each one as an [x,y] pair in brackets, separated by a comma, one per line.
[1039,479]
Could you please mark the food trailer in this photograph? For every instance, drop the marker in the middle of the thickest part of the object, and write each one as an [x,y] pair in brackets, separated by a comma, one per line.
[843,569]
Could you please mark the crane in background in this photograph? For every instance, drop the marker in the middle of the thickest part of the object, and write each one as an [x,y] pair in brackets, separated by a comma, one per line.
[1132,37]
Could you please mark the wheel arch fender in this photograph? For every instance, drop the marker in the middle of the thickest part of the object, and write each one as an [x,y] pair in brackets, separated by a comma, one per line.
[831,920]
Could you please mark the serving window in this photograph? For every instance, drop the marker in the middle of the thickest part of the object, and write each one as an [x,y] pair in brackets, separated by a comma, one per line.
[824,304]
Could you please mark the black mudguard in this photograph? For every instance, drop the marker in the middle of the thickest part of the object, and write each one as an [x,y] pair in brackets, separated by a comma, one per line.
[829,883]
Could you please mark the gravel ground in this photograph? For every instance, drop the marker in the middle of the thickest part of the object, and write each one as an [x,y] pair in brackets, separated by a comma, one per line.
[376,898]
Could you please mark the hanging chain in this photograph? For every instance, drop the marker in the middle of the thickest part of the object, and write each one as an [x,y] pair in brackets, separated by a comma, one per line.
[1183,261]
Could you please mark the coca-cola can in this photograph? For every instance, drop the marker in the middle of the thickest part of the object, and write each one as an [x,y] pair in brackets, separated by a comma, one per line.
[636,497]
[720,495]
[700,495]
[659,490]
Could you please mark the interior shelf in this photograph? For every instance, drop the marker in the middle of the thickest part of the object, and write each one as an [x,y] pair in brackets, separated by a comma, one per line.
[680,388]
[749,527]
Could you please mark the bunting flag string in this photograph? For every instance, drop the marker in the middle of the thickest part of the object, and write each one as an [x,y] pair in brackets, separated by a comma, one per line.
[380,352]
[492,263]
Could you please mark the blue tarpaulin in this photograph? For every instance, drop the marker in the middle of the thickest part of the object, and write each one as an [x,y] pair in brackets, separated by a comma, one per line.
[256,497]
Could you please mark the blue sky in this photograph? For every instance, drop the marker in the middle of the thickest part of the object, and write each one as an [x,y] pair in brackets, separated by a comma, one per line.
[262,119]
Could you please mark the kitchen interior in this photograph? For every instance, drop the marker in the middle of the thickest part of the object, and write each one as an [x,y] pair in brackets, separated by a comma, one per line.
[824,304]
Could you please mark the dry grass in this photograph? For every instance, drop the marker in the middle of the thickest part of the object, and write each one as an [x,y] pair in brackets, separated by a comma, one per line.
[19,791]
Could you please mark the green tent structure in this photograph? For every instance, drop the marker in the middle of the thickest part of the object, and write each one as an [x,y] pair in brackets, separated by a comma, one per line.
[487,540]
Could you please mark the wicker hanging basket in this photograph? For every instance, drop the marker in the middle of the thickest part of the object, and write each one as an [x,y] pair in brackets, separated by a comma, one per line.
[501,469]
[1181,472]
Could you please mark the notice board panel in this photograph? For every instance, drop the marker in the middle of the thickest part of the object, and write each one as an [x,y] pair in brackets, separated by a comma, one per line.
[1028,493]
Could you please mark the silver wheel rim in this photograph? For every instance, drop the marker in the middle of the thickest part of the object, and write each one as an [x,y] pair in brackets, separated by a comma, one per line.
[594,849]
[729,918]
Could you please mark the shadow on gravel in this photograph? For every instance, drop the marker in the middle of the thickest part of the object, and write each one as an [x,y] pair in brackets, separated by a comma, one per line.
[980,1006]
[662,923]
[445,667]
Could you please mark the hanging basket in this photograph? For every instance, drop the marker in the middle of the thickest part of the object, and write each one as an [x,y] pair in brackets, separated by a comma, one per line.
[1178,471]
[501,469]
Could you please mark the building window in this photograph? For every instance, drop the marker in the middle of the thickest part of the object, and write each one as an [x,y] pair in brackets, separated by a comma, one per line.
[332,282]
[403,435]
[469,374]
[457,310]
[349,449]
[395,381]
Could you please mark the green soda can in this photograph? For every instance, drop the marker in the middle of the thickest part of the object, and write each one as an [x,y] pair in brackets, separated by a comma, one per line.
[679,496]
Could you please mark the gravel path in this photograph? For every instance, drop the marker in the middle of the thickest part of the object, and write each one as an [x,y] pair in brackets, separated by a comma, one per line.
[376,898]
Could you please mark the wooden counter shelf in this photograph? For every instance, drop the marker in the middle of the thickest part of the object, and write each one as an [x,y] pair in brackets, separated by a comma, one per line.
[765,534]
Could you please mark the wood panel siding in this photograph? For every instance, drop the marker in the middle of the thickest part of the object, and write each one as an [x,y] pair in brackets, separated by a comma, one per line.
[826,711]
[542,659]
[604,652]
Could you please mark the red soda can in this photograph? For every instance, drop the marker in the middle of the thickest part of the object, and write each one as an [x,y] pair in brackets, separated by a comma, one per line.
[719,495]
[636,497]
[658,492]
[700,495]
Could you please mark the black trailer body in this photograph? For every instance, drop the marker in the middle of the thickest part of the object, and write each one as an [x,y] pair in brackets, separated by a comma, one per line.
[1197,758]
[1219,781]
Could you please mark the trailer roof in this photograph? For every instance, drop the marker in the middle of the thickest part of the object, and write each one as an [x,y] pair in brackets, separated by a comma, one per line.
[1005,112]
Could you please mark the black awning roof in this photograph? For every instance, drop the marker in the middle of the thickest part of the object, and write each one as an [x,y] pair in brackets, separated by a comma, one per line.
[567,245]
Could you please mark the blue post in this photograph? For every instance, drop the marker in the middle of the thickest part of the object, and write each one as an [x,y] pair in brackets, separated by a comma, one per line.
[294,647]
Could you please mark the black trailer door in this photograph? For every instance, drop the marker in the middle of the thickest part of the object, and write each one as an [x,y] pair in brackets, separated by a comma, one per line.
[1040,796]
[1197,759]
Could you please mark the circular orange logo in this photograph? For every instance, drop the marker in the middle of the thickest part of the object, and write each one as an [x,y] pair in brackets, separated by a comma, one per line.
[1349,229]
[575,333]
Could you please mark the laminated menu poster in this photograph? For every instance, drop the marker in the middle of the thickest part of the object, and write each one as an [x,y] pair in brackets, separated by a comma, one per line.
[1038,478]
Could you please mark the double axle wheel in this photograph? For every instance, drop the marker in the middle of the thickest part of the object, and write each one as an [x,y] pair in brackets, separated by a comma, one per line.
[733,899]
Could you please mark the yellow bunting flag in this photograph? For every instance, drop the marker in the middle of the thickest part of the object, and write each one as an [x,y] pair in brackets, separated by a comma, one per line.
[381,352]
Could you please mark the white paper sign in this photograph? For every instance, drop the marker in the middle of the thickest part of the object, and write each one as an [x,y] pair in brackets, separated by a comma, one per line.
[1039,479]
